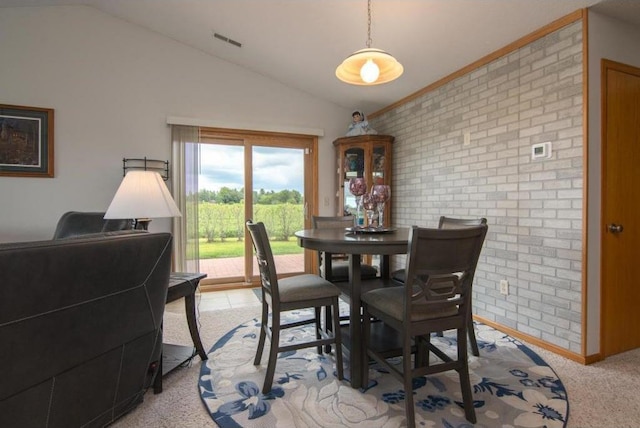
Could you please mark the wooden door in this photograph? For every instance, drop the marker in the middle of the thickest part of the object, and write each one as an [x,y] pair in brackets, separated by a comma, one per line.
[620,208]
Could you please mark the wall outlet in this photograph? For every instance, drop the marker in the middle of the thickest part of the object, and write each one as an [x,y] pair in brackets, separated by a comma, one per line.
[466,139]
[504,287]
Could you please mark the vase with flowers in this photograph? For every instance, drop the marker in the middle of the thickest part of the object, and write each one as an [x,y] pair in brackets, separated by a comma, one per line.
[358,187]
[381,193]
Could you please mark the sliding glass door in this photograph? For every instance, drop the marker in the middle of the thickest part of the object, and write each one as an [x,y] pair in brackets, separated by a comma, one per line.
[263,177]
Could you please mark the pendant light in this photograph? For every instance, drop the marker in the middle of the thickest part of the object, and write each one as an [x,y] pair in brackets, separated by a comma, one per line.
[369,66]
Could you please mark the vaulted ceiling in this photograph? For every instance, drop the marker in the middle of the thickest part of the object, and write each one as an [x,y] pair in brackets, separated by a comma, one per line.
[300,42]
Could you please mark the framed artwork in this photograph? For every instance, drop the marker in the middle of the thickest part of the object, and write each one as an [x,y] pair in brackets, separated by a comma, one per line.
[26,141]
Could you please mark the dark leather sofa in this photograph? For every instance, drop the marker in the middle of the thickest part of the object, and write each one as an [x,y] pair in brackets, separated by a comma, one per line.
[80,327]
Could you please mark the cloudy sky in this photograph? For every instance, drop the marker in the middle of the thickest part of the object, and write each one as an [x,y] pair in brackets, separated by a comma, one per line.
[273,168]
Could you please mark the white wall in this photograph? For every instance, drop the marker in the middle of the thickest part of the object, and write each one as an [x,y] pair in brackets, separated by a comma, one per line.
[614,40]
[113,85]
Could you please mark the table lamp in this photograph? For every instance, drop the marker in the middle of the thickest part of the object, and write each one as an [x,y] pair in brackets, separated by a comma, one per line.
[142,195]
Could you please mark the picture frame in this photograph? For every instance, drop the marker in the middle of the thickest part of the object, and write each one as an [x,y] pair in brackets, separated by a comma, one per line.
[26,141]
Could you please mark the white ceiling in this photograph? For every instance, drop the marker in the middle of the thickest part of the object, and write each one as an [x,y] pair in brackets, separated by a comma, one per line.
[300,42]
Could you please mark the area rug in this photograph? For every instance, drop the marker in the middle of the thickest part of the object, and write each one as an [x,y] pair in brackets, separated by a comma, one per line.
[512,387]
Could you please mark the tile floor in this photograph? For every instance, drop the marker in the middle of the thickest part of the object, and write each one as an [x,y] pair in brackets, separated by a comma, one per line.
[217,300]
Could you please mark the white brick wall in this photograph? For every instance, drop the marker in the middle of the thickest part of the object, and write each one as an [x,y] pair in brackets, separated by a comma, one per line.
[534,208]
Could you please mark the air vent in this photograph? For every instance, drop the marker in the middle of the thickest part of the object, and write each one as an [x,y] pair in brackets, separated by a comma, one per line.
[226,39]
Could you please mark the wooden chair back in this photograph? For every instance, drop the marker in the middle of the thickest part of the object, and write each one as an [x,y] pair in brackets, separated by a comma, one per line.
[439,271]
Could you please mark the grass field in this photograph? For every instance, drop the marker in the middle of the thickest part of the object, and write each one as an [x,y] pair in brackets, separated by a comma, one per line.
[234,248]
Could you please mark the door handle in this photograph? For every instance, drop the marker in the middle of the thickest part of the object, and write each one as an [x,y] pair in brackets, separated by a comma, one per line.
[614,228]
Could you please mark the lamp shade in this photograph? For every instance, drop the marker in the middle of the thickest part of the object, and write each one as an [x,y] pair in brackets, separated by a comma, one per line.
[359,68]
[142,194]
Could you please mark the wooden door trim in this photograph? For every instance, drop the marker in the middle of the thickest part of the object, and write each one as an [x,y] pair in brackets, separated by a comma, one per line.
[585,181]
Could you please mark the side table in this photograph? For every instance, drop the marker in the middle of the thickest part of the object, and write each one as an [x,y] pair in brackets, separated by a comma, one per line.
[181,284]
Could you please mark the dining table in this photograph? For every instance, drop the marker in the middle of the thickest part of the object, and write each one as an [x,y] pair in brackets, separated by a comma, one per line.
[356,243]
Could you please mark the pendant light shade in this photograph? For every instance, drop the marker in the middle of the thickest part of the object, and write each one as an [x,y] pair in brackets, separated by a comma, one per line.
[369,66]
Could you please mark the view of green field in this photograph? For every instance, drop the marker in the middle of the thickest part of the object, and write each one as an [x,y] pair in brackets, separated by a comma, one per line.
[221,221]
[235,248]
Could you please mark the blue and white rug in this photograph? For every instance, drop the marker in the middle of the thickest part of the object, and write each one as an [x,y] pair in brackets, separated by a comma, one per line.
[512,387]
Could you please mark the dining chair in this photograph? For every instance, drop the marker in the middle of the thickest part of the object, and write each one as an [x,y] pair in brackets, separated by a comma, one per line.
[287,294]
[337,264]
[454,223]
[436,297]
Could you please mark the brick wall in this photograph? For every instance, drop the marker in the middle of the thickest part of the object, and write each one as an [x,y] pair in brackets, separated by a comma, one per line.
[534,208]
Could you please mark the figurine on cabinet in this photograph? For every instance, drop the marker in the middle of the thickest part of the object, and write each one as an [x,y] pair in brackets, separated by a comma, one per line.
[359,125]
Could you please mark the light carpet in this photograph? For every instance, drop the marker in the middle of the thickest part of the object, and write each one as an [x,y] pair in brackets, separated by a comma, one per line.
[512,384]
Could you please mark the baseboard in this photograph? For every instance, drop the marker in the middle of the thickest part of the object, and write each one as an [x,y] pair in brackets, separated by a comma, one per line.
[582,359]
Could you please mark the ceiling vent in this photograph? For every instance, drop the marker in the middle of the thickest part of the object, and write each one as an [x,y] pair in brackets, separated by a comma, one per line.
[226,39]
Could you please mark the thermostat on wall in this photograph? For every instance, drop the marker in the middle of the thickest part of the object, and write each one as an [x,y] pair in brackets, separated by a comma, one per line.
[541,151]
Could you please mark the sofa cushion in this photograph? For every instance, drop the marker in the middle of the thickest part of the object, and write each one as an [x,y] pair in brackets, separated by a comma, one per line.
[74,223]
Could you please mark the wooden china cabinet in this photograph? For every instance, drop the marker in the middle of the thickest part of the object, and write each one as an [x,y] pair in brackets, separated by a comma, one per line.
[367,156]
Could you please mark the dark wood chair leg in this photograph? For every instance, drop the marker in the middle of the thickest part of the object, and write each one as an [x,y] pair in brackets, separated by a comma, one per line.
[408,382]
[366,338]
[273,353]
[263,334]
[338,339]
[465,383]
[328,325]
[318,327]
[472,337]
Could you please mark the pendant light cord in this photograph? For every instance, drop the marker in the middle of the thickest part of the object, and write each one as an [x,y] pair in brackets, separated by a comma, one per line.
[369,24]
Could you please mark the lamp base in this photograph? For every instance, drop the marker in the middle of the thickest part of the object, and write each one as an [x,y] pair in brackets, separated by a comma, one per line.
[142,223]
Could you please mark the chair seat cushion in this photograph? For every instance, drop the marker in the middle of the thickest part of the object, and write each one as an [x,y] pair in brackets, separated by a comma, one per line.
[306,287]
[390,300]
[399,275]
[340,271]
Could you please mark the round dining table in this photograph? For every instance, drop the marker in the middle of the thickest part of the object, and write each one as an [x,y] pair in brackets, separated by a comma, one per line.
[383,243]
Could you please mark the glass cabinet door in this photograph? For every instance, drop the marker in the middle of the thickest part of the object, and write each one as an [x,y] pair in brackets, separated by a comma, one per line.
[379,160]
[362,156]
[354,167]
